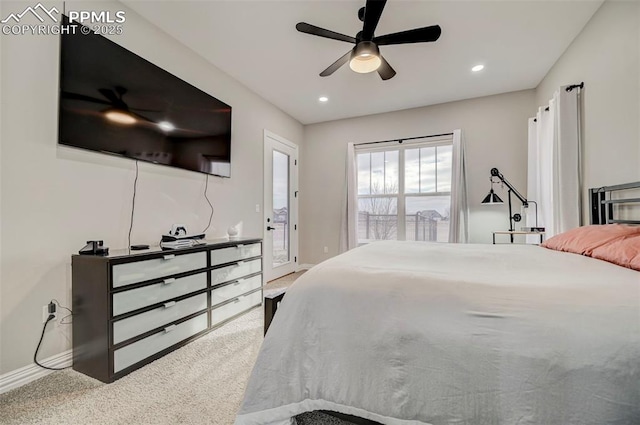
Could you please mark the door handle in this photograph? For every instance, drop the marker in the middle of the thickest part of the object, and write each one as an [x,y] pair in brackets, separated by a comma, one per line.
[271,228]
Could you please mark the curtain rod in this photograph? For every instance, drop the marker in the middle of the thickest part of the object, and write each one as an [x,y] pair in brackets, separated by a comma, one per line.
[569,88]
[575,86]
[403,139]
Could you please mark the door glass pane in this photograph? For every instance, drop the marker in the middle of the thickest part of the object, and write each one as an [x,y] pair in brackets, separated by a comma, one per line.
[377,218]
[444,161]
[281,209]
[427,218]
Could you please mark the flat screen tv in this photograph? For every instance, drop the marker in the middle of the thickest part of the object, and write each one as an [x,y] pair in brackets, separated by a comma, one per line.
[113,101]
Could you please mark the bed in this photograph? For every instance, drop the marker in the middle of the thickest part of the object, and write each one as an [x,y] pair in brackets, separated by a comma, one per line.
[421,333]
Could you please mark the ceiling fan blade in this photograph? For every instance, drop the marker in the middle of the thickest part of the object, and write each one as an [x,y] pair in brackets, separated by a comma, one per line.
[385,71]
[321,32]
[337,64]
[417,35]
[372,12]
[110,95]
[77,96]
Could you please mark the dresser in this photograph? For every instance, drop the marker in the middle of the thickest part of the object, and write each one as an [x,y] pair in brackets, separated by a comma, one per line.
[133,307]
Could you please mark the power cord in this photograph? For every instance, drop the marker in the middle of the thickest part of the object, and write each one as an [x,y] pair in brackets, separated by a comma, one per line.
[206,186]
[44,328]
[133,206]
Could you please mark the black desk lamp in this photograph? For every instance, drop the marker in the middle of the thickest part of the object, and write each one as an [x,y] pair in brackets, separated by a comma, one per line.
[492,198]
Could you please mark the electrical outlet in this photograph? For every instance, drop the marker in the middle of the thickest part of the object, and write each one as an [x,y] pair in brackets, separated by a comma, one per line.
[45,313]
[326,250]
[257,208]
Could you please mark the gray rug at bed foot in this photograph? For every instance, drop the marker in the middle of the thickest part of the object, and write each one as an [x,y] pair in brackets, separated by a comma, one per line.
[319,418]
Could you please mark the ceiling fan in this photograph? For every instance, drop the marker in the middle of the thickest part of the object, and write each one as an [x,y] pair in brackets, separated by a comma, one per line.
[365,56]
[118,111]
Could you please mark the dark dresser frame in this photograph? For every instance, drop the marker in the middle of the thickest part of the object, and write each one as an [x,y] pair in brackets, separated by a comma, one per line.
[92,291]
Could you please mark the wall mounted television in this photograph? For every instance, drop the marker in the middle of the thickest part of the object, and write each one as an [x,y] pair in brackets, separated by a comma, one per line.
[113,101]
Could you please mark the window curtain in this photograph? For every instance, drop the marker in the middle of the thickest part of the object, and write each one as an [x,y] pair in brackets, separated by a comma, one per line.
[349,227]
[459,221]
[554,173]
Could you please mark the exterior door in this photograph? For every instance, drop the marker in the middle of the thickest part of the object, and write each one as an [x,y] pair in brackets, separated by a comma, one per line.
[280,207]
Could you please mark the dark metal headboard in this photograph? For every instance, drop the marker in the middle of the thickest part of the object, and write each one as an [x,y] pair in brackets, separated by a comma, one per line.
[602,203]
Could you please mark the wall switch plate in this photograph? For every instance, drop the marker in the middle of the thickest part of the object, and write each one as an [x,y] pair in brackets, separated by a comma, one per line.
[258,208]
[45,313]
[326,250]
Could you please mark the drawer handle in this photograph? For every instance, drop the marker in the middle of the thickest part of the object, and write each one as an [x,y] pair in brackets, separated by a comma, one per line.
[236,300]
[168,281]
[169,304]
[239,263]
[238,282]
[169,328]
[239,245]
[169,257]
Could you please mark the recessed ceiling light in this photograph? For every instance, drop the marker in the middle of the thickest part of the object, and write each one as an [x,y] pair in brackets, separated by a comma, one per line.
[323,99]
[477,68]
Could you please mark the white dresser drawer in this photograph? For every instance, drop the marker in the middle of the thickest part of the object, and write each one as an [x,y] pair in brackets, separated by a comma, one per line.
[140,350]
[235,271]
[232,290]
[170,264]
[126,301]
[240,304]
[235,253]
[144,322]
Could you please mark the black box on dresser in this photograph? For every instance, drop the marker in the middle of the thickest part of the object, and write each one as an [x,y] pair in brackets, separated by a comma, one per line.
[133,307]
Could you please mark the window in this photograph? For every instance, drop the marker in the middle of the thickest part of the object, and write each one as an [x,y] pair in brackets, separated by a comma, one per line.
[404,191]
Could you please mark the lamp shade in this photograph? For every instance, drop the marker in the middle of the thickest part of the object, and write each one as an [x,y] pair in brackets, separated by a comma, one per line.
[365,57]
[492,199]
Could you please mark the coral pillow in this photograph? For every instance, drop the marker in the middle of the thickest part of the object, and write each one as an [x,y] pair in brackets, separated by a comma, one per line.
[624,252]
[583,240]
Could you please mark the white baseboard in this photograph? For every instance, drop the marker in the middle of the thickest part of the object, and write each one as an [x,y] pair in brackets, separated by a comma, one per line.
[305,266]
[30,373]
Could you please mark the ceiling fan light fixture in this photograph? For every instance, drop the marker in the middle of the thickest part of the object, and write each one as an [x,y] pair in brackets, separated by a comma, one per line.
[119,116]
[365,57]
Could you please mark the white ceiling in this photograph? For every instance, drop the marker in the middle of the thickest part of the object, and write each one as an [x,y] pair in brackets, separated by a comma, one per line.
[256,42]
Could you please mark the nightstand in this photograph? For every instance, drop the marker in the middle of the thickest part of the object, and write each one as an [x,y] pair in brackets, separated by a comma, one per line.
[516,232]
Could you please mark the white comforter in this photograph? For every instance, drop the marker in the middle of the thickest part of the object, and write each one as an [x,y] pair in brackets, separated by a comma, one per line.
[414,332]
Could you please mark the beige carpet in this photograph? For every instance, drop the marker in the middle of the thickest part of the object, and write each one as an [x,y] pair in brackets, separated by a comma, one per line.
[201,383]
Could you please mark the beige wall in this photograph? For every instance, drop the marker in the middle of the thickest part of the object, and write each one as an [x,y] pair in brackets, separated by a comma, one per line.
[495,132]
[605,55]
[55,198]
